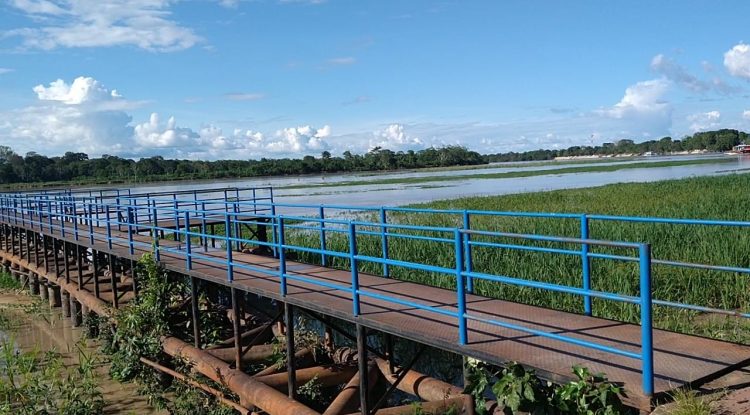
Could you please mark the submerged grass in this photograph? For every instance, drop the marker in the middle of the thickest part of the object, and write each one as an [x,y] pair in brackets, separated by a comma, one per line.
[517,174]
[724,198]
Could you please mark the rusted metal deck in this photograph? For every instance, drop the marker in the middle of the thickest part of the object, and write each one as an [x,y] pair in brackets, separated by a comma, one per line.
[679,359]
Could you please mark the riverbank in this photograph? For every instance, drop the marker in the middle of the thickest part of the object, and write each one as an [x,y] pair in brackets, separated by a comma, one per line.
[36,331]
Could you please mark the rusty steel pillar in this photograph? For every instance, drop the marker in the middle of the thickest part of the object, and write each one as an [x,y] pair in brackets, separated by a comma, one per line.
[236,330]
[362,362]
[43,290]
[33,283]
[54,295]
[76,316]
[65,302]
[290,369]
[194,309]
[113,281]
[95,259]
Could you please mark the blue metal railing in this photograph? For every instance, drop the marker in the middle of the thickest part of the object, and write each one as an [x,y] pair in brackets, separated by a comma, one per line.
[121,218]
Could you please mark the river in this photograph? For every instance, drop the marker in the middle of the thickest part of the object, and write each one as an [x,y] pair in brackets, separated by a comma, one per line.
[324,189]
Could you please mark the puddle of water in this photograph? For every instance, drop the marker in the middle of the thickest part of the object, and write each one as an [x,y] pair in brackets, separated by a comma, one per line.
[50,331]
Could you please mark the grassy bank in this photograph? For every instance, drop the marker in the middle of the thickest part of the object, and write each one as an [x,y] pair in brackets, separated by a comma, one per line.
[723,197]
[595,168]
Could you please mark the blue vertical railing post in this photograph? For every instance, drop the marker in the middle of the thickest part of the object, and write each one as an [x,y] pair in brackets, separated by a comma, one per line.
[188,243]
[109,227]
[468,265]
[282,257]
[176,220]
[384,240]
[355,271]
[322,216]
[91,225]
[131,220]
[647,345]
[274,229]
[119,214]
[49,216]
[460,289]
[155,234]
[61,212]
[75,222]
[204,233]
[228,244]
[237,224]
[586,264]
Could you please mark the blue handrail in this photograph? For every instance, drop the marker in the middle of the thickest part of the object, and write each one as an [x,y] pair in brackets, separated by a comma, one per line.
[118,216]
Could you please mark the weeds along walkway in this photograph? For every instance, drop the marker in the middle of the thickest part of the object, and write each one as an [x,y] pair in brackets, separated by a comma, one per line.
[679,359]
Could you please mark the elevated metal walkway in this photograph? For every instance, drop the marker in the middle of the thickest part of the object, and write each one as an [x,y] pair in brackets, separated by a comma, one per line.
[646,361]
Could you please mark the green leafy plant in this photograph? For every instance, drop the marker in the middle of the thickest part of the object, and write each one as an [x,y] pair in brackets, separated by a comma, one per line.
[588,395]
[38,383]
[518,389]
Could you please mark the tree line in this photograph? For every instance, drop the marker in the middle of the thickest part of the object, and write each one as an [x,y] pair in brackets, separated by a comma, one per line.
[715,141]
[78,167]
[74,167]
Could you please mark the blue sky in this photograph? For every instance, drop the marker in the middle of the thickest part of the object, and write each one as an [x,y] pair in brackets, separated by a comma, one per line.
[276,78]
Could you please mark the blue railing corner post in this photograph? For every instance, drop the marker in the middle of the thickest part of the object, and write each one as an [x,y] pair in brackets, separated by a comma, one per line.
[460,289]
[586,264]
[322,217]
[228,246]
[469,266]
[354,268]
[384,240]
[282,257]
[647,346]
[188,243]
[131,219]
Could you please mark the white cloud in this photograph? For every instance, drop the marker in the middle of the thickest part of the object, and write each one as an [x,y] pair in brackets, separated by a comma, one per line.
[680,76]
[746,115]
[244,96]
[3,71]
[145,24]
[82,89]
[676,73]
[348,60]
[304,139]
[230,4]
[643,98]
[737,60]
[704,121]
[155,134]
[393,137]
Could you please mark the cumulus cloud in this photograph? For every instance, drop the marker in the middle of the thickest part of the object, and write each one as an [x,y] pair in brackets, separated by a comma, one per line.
[145,24]
[83,115]
[737,61]
[704,121]
[643,98]
[393,137]
[746,115]
[82,89]
[302,139]
[155,134]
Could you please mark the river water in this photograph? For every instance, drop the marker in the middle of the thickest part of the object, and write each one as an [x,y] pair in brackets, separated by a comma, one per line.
[323,188]
[49,331]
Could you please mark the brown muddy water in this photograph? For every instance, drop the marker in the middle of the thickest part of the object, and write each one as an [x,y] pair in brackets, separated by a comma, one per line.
[45,329]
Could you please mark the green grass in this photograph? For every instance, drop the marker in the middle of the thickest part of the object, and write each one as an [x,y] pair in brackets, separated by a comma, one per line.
[724,197]
[516,174]
[8,283]
[687,402]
